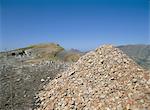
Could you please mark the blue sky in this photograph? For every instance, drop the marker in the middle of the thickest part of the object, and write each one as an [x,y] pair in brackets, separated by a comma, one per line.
[80,24]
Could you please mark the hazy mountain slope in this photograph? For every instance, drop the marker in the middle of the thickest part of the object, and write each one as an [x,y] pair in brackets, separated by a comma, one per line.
[70,55]
[140,53]
[52,51]
[40,52]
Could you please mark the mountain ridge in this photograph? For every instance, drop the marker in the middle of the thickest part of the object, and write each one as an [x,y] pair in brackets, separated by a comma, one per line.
[138,52]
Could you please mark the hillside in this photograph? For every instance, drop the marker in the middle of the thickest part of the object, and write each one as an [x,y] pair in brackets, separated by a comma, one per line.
[54,52]
[139,53]
[71,55]
[24,71]
[41,52]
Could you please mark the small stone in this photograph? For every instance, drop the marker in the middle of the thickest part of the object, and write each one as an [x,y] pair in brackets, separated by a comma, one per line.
[48,77]
[148,82]
[107,108]
[102,96]
[18,80]
[119,107]
[128,107]
[134,80]
[42,80]
[142,101]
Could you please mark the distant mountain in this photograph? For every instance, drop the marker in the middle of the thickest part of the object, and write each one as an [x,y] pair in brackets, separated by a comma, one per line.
[71,55]
[52,51]
[139,53]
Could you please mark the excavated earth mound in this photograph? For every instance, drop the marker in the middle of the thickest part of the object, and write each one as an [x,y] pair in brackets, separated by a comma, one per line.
[104,79]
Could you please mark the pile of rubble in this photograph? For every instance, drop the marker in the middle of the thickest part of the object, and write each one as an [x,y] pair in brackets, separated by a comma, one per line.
[104,79]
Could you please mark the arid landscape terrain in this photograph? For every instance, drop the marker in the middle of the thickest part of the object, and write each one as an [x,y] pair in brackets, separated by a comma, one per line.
[74,55]
[26,78]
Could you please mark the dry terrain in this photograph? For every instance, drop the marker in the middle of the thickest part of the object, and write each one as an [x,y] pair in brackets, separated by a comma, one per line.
[103,79]
[26,71]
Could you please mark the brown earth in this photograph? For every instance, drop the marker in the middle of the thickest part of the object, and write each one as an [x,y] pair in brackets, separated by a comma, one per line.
[20,84]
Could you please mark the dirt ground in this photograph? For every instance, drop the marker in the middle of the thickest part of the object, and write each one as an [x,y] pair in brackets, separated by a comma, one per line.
[20,82]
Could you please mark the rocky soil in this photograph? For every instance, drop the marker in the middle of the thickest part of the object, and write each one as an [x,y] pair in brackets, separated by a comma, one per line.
[24,71]
[103,79]
[19,82]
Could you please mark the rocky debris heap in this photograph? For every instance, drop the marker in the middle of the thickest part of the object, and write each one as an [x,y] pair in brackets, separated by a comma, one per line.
[104,79]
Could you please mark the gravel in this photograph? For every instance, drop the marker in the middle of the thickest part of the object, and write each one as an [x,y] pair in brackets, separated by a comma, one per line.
[19,84]
[103,79]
